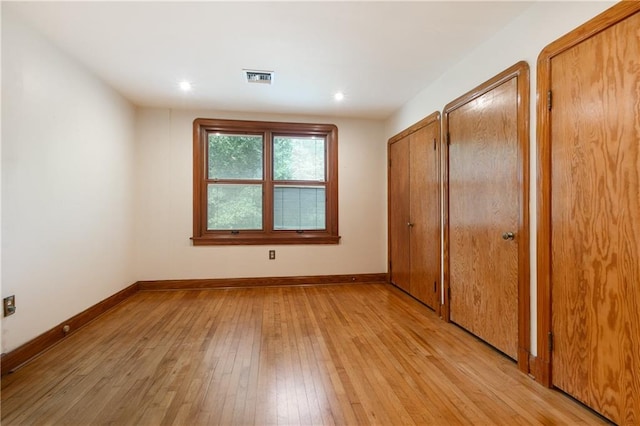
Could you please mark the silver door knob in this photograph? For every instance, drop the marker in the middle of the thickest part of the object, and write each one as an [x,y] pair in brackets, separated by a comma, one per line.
[508,236]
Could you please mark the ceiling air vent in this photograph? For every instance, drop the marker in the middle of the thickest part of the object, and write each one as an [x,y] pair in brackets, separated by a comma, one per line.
[253,76]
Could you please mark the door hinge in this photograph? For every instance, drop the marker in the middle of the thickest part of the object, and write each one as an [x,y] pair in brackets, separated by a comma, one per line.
[550,337]
[389,162]
[448,138]
[435,287]
[449,294]
[389,268]
[434,144]
[549,100]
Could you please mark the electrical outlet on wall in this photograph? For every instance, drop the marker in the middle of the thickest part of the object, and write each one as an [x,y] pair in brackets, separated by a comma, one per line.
[272,254]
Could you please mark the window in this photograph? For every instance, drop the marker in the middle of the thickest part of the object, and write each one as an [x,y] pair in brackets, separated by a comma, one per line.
[264,183]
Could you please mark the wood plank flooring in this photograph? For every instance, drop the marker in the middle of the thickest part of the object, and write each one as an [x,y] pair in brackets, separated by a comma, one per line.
[317,355]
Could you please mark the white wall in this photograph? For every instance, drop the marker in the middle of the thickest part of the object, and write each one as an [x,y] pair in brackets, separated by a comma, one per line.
[522,39]
[165,215]
[67,185]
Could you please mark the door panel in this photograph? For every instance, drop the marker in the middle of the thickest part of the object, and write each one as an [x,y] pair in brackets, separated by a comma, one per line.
[414,210]
[483,204]
[595,221]
[425,215]
[399,213]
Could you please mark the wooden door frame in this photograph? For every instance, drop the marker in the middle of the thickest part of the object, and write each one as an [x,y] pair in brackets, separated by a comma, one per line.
[543,369]
[434,117]
[520,71]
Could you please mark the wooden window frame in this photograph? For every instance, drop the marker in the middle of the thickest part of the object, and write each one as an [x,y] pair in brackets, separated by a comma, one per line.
[202,127]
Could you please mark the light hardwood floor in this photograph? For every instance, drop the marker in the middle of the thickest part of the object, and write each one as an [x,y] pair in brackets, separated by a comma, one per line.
[344,355]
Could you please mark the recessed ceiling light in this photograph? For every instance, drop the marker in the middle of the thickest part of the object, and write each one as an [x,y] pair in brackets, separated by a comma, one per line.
[185,86]
[339,96]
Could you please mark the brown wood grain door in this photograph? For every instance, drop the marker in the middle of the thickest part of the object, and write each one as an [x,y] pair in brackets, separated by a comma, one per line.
[595,220]
[399,215]
[483,208]
[414,210]
[425,214]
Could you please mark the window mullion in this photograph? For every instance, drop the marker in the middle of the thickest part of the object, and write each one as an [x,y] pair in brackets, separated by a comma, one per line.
[268,183]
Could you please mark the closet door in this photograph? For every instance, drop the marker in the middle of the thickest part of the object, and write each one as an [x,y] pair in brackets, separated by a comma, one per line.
[591,161]
[399,217]
[486,216]
[414,210]
[483,206]
[425,215]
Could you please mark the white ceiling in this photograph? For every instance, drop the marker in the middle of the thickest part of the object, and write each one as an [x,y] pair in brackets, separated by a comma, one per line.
[380,54]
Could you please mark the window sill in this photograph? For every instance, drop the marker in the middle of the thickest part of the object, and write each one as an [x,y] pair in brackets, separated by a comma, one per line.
[220,240]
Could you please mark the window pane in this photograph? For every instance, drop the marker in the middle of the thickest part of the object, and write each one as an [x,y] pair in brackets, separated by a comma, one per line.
[299,207]
[298,158]
[235,156]
[234,207]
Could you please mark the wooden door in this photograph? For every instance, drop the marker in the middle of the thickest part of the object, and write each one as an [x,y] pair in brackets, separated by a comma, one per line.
[399,215]
[486,229]
[414,210]
[425,214]
[594,165]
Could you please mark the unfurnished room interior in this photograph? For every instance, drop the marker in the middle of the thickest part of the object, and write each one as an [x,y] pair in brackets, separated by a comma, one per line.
[320,213]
